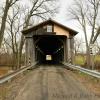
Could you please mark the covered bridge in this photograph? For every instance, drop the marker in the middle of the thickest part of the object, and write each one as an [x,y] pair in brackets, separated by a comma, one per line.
[49,41]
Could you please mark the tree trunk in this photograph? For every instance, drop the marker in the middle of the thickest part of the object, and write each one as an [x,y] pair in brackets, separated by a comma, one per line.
[3,23]
[88,58]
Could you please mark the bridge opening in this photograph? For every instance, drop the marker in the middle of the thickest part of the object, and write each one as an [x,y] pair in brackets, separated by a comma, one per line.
[49,48]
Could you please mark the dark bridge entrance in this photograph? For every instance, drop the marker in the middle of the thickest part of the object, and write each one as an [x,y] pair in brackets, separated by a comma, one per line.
[49,48]
[49,42]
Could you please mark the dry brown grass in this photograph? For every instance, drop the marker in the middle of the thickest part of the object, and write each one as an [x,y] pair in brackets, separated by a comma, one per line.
[89,82]
[4,70]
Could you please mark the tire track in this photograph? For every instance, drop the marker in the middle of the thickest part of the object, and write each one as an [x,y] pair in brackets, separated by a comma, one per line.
[53,83]
[75,91]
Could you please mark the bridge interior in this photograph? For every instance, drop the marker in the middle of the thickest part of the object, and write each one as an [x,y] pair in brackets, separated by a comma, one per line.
[49,48]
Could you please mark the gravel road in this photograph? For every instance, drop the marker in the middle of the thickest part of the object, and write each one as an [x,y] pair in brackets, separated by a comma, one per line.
[53,83]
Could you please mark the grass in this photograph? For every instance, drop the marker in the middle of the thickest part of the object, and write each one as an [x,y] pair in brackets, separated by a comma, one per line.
[90,82]
[97,58]
[4,70]
[80,59]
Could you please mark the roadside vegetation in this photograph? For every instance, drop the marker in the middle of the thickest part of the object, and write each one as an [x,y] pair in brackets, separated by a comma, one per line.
[80,59]
[91,83]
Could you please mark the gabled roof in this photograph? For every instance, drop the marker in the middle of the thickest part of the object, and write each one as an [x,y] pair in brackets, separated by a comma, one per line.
[50,21]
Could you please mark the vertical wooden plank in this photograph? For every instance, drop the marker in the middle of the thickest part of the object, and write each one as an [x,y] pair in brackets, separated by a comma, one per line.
[33,52]
[68,50]
[72,49]
[30,51]
[26,51]
[64,50]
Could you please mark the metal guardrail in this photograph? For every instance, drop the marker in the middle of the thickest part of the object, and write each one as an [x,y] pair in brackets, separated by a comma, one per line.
[84,70]
[9,76]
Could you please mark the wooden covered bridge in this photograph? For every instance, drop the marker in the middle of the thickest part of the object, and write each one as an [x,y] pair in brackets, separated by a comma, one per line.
[49,41]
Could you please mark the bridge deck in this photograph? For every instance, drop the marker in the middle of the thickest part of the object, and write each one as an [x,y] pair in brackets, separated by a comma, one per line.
[53,83]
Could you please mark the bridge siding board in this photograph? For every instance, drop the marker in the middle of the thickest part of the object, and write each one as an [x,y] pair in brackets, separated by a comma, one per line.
[60,31]
[65,50]
[68,48]
[26,51]
[72,49]
[30,50]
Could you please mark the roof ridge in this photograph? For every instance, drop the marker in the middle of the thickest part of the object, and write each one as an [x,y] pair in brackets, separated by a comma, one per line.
[45,22]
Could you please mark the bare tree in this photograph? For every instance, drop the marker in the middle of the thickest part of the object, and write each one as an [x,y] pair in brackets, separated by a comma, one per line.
[13,31]
[78,44]
[8,4]
[87,14]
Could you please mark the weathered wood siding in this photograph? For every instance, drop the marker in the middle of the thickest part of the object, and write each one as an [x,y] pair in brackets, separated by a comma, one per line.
[72,49]
[60,31]
[30,51]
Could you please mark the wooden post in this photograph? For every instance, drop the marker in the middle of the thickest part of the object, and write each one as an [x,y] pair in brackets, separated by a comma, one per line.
[65,50]
[72,49]
[26,51]
[68,51]
[30,51]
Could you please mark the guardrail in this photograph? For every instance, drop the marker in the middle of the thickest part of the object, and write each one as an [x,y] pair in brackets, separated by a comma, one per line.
[9,76]
[84,70]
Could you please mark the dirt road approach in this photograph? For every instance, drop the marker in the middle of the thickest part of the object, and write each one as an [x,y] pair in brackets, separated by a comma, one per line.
[53,83]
